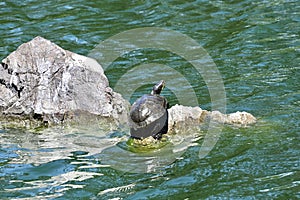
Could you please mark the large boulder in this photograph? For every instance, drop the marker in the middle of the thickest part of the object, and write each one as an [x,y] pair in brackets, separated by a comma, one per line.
[41,81]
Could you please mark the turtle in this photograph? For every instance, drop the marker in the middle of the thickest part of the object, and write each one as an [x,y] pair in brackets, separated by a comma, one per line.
[149,114]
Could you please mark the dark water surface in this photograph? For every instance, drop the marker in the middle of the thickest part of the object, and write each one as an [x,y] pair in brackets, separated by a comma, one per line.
[256,48]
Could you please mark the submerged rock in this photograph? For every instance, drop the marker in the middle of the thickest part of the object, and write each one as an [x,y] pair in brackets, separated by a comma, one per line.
[43,82]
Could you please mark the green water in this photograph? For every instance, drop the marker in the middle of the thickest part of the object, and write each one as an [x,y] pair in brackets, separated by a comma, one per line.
[255,46]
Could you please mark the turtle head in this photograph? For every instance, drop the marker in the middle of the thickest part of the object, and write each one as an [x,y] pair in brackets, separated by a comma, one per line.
[158,87]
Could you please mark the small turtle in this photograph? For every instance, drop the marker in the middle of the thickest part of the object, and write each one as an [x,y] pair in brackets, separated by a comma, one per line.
[149,114]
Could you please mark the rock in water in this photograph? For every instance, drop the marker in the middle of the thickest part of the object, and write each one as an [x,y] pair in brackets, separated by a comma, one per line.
[181,117]
[41,80]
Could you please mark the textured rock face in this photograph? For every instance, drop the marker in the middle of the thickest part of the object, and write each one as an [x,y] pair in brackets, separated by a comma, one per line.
[181,117]
[42,80]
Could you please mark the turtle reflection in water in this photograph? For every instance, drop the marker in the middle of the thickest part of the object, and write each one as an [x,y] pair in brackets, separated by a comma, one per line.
[149,114]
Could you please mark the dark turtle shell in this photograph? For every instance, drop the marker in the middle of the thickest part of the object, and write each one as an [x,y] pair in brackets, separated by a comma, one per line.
[147,109]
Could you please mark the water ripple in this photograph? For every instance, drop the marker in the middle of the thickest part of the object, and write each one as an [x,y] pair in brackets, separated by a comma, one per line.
[255,45]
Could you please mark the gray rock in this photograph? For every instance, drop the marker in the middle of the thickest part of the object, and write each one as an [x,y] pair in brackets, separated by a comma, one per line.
[237,118]
[181,117]
[42,81]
